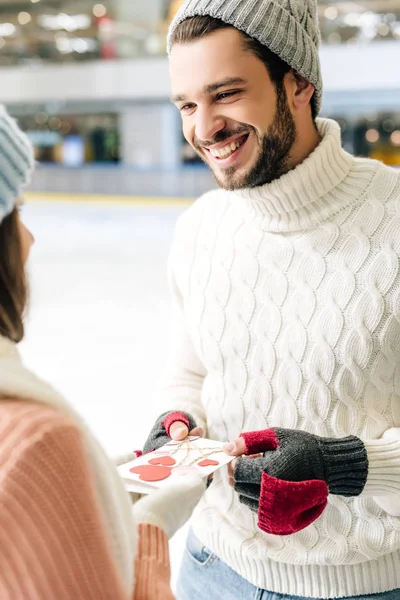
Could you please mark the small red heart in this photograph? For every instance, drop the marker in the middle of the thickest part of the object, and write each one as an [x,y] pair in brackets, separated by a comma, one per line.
[166,461]
[151,473]
[208,463]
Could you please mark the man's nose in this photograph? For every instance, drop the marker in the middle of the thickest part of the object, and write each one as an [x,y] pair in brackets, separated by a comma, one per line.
[208,124]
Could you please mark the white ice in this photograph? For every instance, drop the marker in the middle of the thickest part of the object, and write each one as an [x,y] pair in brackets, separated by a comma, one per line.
[98,323]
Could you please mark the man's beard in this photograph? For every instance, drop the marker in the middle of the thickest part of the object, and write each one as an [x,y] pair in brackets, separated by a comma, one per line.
[274,154]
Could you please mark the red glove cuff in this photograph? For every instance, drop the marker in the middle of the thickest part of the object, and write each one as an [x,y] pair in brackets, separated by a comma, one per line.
[173,417]
[287,507]
[260,441]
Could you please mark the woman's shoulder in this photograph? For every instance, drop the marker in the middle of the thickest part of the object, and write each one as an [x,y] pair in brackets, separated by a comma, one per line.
[24,425]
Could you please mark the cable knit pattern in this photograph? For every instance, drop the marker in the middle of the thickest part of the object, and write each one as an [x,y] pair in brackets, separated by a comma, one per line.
[290,300]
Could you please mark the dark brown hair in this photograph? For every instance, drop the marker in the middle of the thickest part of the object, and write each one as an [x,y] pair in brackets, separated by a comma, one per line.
[13,286]
[194,28]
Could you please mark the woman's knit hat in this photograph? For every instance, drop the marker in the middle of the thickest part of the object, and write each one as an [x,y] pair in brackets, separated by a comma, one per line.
[289,28]
[16,162]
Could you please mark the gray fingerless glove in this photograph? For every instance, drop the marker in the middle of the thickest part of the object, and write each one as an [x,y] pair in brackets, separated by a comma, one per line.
[159,435]
[295,456]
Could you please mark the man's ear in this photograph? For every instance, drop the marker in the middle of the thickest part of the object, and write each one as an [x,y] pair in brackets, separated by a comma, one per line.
[301,90]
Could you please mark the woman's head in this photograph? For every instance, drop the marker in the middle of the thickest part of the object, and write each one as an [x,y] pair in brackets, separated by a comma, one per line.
[16,165]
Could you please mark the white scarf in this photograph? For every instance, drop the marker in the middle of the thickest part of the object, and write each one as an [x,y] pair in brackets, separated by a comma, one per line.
[18,382]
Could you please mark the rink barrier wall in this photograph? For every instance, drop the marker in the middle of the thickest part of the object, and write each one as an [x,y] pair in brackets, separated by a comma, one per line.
[120,200]
[113,180]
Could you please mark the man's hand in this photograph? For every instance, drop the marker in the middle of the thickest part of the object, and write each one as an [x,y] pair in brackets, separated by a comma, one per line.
[288,485]
[173,425]
[237,448]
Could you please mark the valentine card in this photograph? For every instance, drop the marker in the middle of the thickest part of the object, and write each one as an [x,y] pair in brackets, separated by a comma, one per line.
[155,469]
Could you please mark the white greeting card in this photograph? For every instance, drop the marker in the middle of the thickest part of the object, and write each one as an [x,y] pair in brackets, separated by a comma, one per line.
[155,469]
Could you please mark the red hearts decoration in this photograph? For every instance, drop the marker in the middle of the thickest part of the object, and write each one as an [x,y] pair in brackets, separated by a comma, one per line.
[165,461]
[208,463]
[151,473]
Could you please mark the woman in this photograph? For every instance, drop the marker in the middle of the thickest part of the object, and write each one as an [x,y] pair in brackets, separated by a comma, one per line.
[67,529]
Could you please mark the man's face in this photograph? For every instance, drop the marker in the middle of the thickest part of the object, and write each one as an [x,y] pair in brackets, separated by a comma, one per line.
[232,113]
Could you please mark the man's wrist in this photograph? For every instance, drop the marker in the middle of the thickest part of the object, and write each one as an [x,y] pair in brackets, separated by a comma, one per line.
[346,465]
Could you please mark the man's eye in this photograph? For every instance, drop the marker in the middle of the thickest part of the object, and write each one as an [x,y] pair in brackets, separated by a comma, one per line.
[226,95]
[186,107]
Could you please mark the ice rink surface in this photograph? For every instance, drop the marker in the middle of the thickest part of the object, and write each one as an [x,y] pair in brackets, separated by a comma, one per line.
[98,324]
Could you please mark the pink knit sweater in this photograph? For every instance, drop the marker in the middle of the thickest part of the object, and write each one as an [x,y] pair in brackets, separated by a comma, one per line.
[52,540]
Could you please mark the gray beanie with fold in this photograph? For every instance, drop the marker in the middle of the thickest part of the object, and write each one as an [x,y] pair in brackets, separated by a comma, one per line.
[289,28]
[16,162]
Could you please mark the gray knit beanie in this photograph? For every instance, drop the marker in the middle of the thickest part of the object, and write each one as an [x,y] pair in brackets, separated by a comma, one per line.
[289,28]
[16,162]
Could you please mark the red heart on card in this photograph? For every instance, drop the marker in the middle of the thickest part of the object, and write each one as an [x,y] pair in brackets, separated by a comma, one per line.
[151,473]
[165,461]
[208,463]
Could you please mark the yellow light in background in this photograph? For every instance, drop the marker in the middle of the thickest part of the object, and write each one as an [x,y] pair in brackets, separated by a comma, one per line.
[395,138]
[35,1]
[331,13]
[372,136]
[55,123]
[7,29]
[352,19]
[24,18]
[99,10]
[383,29]
[41,118]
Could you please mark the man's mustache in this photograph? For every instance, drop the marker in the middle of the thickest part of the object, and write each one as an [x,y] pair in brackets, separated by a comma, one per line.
[221,136]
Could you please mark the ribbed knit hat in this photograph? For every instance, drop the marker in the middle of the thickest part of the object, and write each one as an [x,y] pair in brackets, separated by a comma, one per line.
[289,28]
[16,162]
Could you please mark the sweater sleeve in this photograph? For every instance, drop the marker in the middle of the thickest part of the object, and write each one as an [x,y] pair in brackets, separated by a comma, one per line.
[152,566]
[52,539]
[185,372]
[383,480]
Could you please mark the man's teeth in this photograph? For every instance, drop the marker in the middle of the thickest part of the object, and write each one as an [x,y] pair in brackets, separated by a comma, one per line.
[226,150]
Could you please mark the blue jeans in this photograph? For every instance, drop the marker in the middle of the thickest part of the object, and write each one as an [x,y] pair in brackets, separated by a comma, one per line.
[203,576]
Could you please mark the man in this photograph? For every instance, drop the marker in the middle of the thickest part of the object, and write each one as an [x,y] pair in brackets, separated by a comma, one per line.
[286,284]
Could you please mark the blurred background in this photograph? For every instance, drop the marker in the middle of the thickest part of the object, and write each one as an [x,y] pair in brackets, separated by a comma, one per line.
[89,84]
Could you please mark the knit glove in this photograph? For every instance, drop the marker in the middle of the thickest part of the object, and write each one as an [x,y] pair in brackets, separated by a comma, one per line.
[160,434]
[171,506]
[289,485]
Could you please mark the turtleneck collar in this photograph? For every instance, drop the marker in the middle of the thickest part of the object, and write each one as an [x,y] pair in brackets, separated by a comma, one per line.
[314,191]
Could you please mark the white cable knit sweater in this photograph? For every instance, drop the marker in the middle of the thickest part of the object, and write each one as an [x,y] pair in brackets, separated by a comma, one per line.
[288,315]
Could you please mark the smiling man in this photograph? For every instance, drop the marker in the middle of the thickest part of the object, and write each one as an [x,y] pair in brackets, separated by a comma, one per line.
[286,283]
[236,117]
